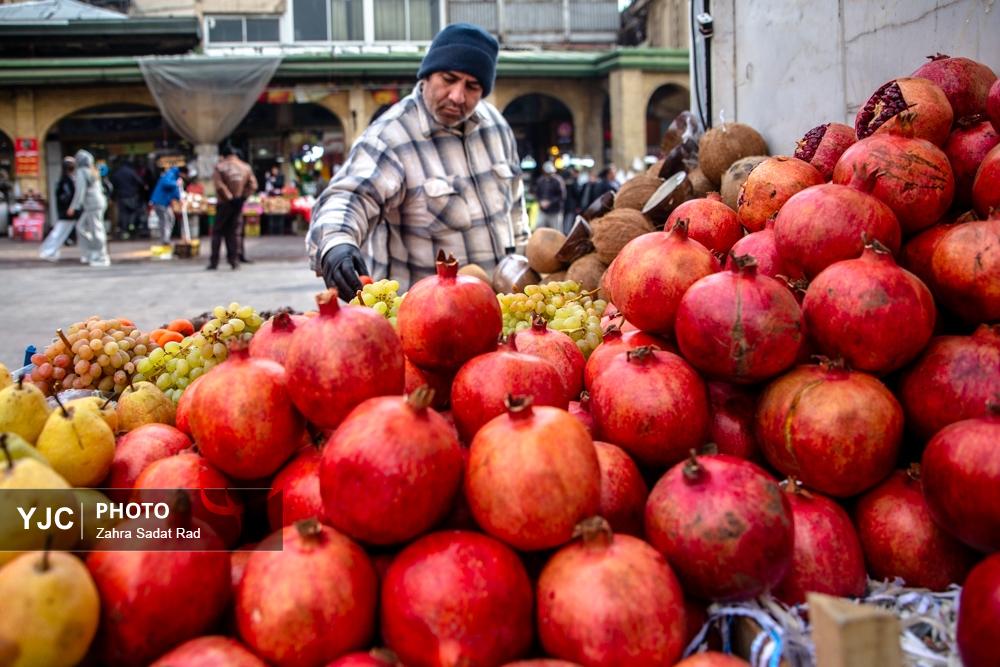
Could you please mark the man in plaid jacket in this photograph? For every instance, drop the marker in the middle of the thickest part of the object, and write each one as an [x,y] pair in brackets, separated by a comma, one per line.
[437,171]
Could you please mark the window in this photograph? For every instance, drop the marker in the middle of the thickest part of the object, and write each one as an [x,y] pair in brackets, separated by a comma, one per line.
[406,20]
[347,21]
[225,30]
[262,30]
[240,29]
[310,22]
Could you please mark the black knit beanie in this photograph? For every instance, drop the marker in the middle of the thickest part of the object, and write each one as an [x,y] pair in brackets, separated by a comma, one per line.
[463,47]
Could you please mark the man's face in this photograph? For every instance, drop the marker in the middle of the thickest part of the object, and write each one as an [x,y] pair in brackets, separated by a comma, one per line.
[452,96]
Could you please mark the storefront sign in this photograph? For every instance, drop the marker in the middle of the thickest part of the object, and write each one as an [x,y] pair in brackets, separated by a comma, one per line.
[26,156]
[385,96]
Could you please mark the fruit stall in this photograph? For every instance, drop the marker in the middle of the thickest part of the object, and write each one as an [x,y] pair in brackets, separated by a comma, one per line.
[747,411]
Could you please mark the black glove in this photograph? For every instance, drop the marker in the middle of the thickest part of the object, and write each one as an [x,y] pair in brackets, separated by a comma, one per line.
[342,266]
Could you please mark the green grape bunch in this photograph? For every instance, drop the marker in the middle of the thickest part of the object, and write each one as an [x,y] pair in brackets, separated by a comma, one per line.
[564,306]
[381,296]
[176,365]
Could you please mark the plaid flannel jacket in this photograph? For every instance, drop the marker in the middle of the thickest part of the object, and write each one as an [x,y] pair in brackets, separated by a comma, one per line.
[411,187]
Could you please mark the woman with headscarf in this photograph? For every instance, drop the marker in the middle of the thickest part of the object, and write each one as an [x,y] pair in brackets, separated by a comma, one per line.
[65,191]
[90,200]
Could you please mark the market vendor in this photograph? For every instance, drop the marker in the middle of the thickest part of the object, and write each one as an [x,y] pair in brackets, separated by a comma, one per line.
[437,171]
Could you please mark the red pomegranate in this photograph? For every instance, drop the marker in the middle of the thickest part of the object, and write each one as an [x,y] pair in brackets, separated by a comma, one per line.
[966,83]
[447,319]
[836,430]
[137,449]
[272,339]
[993,105]
[723,525]
[615,342]
[483,384]
[556,348]
[623,491]
[182,420]
[907,101]
[762,247]
[391,470]
[917,253]
[415,378]
[377,657]
[651,273]
[652,404]
[769,185]
[952,381]
[610,600]
[532,476]
[961,475]
[965,270]
[541,662]
[733,411]
[710,222]
[238,564]
[738,326]
[966,148]
[308,596]
[712,659]
[240,386]
[826,223]
[823,145]
[900,539]
[210,651]
[457,596]
[581,410]
[294,493]
[827,555]
[914,177]
[979,614]
[986,186]
[340,358]
[856,309]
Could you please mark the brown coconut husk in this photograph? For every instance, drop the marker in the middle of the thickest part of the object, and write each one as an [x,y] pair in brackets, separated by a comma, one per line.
[700,183]
[542,248]
[735,176]
[610,233]
[587,271]
[721,146]
[673,192]
[475,271]
[637,191]
[599,206]
[556,277]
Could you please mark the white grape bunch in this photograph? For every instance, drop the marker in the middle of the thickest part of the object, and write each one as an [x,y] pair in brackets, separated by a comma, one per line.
[382,296]
[565,308]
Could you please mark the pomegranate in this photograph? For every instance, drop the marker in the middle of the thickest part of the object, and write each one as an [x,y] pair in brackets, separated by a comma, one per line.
[966,83]
[238,564]
[610,600]
[556,348]
[710,222]
[961,475]
[623,491]
[391,470]
[581,410]
[952,381]
[651,273]
[447,319]
[273,338]
[541,662]
[482,385]
[415,378]
[377,657]
[240,386]
[823,145]
[733,409]
[738,326]
[986,186]
[769,185]
[182,419]
[723,525]
[308,596]
[712,659]
[532,476]
[979,614]
[826,223]
[340,358]
[837,430]
[965,269]
[993,105]
[294,493]
[210,651]
[919,250]
[762,247]
[966,148]
[827,555]
[900,539]
[454,598]
[652,404]
[905,101]
[615,342]
[857,308]
[137,449]
[914,177]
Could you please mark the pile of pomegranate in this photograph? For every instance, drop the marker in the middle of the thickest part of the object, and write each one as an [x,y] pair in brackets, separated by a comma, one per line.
[821,406]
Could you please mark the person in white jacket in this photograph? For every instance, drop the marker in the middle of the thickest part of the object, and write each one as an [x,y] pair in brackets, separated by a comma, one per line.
[90,199]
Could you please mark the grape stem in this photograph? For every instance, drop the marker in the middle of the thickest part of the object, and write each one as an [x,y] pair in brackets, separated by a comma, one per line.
[69,345]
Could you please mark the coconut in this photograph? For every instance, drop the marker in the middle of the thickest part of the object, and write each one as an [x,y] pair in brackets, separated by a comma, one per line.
[475,271]
[673,192]
[611,232]
[542,248]
[721,146]
[702,186]
[557,277]
[637,191]
[587,271]
[734,177]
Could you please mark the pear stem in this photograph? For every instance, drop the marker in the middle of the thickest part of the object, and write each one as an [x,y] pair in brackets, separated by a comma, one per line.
[61,406]
[45,565]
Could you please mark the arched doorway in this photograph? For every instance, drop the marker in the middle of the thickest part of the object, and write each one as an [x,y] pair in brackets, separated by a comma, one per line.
[664,104]
[542,125]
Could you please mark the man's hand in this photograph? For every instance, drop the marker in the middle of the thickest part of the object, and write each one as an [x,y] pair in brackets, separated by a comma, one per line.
[343,267]
[70,212]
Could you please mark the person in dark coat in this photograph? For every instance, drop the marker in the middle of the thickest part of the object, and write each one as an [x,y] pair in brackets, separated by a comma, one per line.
[65,189]
[129,195]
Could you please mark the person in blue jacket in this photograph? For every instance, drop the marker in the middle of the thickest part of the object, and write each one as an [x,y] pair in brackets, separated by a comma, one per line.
[167,189]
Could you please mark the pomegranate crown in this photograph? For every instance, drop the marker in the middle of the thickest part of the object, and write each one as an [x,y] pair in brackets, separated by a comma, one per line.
[793,485]
[913,472]
[283,321]
[641,354]
[744,263]
[420,398]
[447,267]
[594,531]
[692,469]
[518,406]
[326,301]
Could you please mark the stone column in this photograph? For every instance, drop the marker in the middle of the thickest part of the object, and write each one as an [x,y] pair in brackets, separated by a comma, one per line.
[628,117]
[206,156]
[25,126]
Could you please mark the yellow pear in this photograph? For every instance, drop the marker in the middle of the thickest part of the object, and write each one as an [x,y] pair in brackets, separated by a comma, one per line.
[5,381]
[20,448]
[144,403]
[28,483]
[104,407]
[51,608]
[23,410]
[78,444]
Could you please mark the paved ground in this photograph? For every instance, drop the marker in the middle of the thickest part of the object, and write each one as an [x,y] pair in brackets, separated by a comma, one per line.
[37,297]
